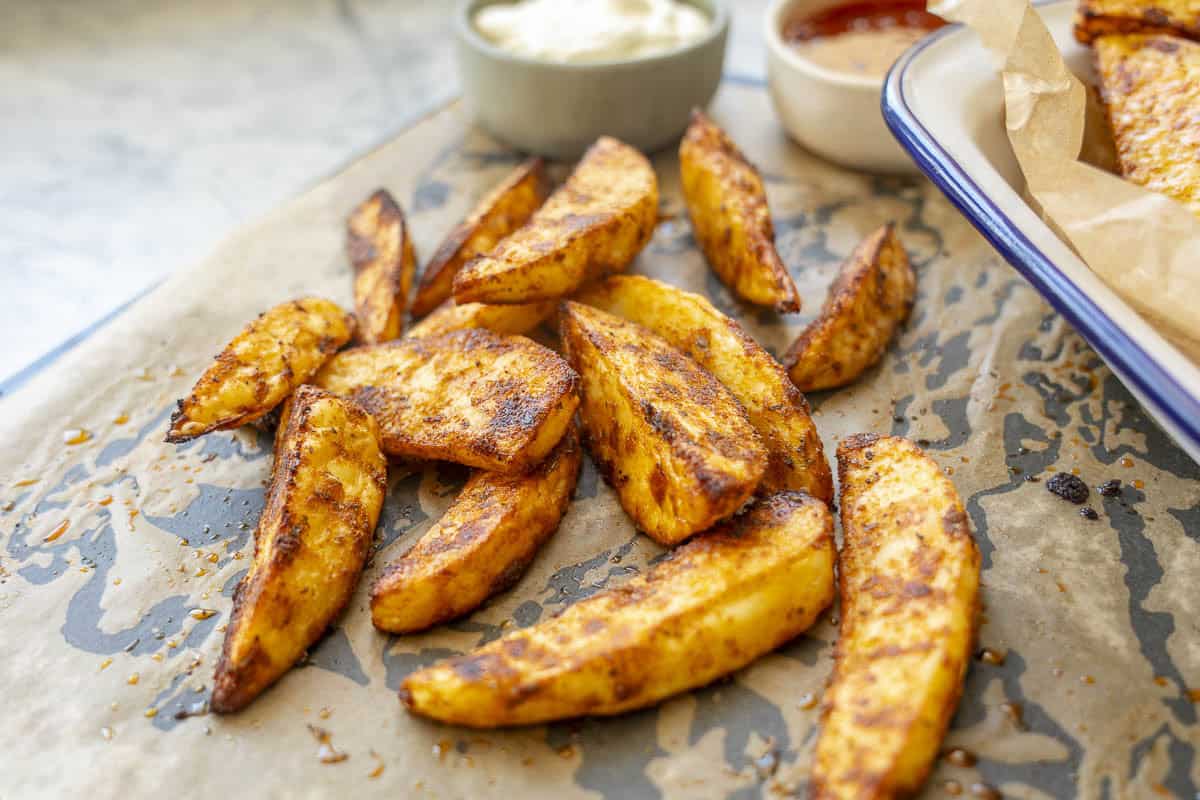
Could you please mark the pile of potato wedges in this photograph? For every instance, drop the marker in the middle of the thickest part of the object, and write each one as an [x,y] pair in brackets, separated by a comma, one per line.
[704,437]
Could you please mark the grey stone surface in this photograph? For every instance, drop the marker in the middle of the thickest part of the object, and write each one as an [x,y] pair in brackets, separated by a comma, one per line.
[136,135]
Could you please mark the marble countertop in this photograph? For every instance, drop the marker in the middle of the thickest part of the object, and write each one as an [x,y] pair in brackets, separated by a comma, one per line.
[137,135]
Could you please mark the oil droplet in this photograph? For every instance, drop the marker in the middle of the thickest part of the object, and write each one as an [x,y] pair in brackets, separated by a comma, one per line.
[961,757]
[1088,679]
[1194,695]
[121,419]
[201,613]
[952,788]
[133,679]
[993,657]
[982,790]
[157,657]
[75,436]
[1160,680]
[106,733]
[1139,485]
[948,470]
[150,712]
[326,753]
[808,701]
[26,482]
[106,663]
[324,713]
[58,531]
[1126,462]
[106,500]
[375,773]
[200,573]
[442,748]
[171,643]
[1016,713]
[213,558]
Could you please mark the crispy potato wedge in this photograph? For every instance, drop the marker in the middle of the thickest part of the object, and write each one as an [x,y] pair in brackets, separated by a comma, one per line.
[480,546]
[777,409]
[711,607]
[673,442]
[727,204]
[505,320]
[473,397]
[1151,87]
[1097,18]
[384,261]
[909,584]
[262,365]
[871,298]
[327,487]
[506,208]
[595,223]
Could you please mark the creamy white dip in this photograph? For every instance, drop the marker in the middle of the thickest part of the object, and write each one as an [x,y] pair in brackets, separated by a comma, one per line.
[587,31]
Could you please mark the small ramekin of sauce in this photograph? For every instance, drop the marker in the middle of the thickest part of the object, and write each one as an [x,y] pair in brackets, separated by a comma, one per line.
[826,65]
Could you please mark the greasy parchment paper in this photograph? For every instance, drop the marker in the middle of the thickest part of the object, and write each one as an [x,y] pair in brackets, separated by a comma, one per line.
[1097,620]
[1141,243]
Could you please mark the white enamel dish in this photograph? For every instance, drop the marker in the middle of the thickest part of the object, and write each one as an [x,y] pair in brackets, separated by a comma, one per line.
[943,102]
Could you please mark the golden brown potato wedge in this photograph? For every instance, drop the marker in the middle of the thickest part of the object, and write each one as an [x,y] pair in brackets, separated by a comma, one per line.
[480,546]
[909,584]
[777,409]
[727,204]
[384,261]
[871,298]
[509,320]
[595,223]
[1097,18]
[327,487]
[711,607]
[473,397]
[262,365]
[1151,87]
[673,442]
[506,208]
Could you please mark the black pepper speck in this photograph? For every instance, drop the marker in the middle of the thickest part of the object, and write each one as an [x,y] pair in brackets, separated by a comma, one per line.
[1069,487]
[1110,488]
[1087,512]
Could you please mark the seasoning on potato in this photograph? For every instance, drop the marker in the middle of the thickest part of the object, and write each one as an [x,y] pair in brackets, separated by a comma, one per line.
[327,488]
[711,607]
[871,298]
[381,252]
[727,203]
[511,320]
[675,445]
[471,396]
[595,223]
[262,366]
[909,584]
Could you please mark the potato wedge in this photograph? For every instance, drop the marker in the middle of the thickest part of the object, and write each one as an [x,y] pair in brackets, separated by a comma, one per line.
[777,409]
[909,584]
[384,261]
[509,320]
[506,208]
[1097,18]
[327,488]
[673,442]
[711,607]
[871,298]
[1151,87]
[727,204]
[595,223]
[262,366]
[480,546]
[473,397]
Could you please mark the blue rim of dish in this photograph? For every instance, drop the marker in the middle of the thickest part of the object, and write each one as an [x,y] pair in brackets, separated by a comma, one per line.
[1126,356]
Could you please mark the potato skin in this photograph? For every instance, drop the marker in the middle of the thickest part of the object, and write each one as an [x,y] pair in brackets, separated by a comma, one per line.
[472,396]
[909,584]
[777,409]
[510,320]
[711,607]
[506,208]
[596,223]
[480,546]
[673,442]
[384,261]
[327,488]
[262,366]
[871,298]
[727,204]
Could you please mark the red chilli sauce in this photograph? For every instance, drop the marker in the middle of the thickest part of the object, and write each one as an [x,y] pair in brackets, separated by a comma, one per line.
[863,38]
